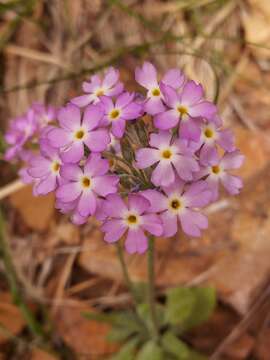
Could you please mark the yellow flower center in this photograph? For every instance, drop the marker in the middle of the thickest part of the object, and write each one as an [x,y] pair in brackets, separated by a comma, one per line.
[86,182]
[175,204]
[55,166]
[156,92]
[182,110]
[208,133]
[215,169]
[99,92]
[167,154]
[132,219]
[114,114]
[79,134]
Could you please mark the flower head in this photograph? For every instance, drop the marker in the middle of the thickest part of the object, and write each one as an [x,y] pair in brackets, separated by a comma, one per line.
[75,132]
[171,156]
[133,218]
[44,114]
[96,87]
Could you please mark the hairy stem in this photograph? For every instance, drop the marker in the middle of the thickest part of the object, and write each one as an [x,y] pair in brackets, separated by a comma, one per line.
[151,286]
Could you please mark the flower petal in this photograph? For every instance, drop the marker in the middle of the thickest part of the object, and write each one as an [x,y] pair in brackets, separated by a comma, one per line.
[68,192]
[169,224]
[163,174]
[59,137]
[114,230]
[146,76]
[105,185]
[95,165]
[74,153]
[69,117]
[92,116]
[114,206]
[192,222]
[166,120]
[138,203]
[136,241]
[71,172]
[192,93]
[97,140]
[87,203]
[156,198]
[146,157]
[152,224]
[204,109]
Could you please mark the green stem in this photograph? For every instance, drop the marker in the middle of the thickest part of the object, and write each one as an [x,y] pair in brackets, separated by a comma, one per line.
[129,284]
[17,296]
[151,286]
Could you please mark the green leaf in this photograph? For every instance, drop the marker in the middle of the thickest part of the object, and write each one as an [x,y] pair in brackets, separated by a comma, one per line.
[119,334]
[150,351]
[189,307]
[126,352]
[179,305]
[175,346]
[204,306]
[144,312]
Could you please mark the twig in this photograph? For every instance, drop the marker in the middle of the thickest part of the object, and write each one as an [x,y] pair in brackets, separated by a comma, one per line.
[11,188]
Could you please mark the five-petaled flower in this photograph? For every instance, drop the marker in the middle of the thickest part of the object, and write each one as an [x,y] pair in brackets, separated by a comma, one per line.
[184,109]
[217,171]
[75,132]
[146,76]
[133,218]
[171,156]
[179,203]
[85,185]
[96,87]
[117,113]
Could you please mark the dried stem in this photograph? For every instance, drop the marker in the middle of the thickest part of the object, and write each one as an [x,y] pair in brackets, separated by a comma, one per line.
[11,188]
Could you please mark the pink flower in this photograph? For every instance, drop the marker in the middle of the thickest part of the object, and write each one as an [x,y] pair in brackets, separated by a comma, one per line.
[171,156]
[133,218]
[116,114]
[179,203]
[45,170]
[44,114]
[85,185]
[184,110]
[21,130]
[75,132]
[217,171]
[212,135]
[95,88]
[146,76]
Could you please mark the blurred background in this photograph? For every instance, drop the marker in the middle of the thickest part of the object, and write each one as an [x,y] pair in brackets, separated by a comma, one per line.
[47,49]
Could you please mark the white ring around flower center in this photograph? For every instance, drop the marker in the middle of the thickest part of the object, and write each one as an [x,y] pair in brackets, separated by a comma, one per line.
[114,114]
[79,134]
[132,219]
[176,204]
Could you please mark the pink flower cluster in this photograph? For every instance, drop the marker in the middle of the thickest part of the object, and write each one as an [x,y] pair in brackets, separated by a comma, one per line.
[137,174]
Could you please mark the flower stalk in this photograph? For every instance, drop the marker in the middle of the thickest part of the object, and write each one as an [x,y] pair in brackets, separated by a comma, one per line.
[151,286]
